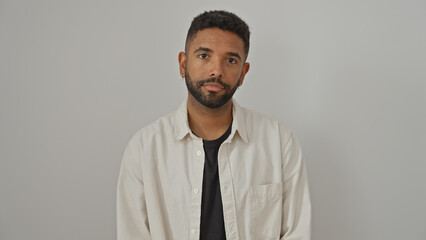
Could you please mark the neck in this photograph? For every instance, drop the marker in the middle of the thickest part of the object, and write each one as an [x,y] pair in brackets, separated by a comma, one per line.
[208,123]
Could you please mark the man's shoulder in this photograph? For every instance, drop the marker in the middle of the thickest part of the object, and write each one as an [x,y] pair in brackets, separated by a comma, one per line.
[162,127]
[255,118]
[255,115]
[261,126]
[163,123]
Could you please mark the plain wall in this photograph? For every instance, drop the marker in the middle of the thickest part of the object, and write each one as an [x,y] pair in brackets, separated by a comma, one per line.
[79,78]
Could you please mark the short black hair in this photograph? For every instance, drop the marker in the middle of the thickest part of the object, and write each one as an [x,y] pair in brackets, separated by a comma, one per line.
[224,20]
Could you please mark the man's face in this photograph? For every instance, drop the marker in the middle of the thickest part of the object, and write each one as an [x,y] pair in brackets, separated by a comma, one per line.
[214,66]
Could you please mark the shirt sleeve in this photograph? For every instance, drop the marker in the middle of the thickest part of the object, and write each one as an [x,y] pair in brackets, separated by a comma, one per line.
[132,219]
[296,215]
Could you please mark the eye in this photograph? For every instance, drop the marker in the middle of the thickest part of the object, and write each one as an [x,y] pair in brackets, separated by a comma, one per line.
[202,56]
[231,60]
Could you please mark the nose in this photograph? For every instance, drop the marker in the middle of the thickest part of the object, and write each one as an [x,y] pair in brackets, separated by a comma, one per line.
[216,68]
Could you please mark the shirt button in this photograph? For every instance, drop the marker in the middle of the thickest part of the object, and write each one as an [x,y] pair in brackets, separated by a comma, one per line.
[193,231]
[198,153]
[195,190]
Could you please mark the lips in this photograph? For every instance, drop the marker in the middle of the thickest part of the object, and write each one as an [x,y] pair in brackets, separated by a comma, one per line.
[213,87]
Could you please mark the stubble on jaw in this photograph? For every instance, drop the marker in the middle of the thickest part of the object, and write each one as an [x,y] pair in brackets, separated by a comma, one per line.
[212,99]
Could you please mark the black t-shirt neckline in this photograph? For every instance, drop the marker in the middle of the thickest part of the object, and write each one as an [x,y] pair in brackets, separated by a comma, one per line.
[217,142]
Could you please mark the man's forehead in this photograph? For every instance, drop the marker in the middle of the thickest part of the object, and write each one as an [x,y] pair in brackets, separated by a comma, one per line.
[217,40]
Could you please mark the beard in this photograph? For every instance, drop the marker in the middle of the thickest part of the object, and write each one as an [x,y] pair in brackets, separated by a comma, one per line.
[210,99]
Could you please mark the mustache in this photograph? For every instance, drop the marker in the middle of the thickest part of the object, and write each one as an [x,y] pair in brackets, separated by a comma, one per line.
[213,80]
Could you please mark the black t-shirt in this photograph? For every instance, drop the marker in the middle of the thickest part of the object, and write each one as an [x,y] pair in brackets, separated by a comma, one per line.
[212,226]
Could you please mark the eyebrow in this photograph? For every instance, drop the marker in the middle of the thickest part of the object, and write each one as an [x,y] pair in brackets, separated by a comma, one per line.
[234,54]
[205,49]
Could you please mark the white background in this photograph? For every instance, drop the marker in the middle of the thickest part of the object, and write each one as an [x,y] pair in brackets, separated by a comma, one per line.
[79,78]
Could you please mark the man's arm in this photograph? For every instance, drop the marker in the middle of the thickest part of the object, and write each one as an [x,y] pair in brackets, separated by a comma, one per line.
[296,216]
[132,219]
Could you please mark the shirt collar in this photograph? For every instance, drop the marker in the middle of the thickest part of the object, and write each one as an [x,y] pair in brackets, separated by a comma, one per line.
[181,127]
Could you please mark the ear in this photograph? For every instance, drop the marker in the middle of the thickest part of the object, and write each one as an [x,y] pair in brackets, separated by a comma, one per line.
[244,71]
[182,63]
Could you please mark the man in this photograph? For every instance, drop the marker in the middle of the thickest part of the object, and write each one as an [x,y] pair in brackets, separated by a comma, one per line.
[213,169]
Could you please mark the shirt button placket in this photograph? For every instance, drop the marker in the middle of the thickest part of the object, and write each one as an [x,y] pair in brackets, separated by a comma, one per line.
[197,181]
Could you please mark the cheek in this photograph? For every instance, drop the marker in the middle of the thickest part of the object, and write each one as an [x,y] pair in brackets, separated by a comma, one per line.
[235,72]
[195,69]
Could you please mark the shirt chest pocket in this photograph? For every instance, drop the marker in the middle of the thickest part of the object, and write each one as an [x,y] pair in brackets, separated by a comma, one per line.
[266,210]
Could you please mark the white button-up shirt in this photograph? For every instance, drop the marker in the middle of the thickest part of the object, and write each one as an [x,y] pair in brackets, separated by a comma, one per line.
[262,177]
